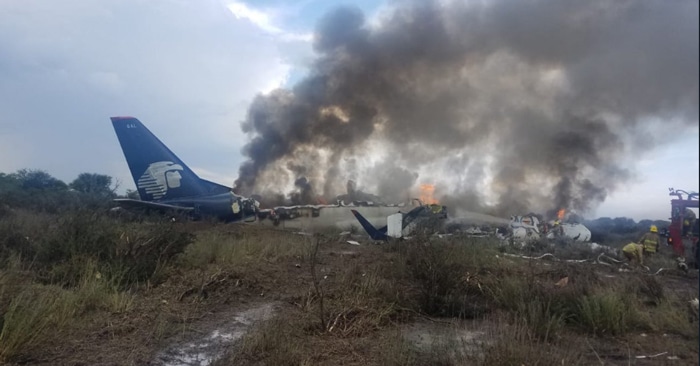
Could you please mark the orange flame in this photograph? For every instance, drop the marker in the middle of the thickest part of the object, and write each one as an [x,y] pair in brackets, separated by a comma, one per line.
[426,194]
[561,213]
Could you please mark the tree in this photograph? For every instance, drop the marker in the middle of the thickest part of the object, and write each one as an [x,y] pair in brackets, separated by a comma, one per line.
[94,184]
[9,186]
[35,190]
[38,179]
[624,225]
[9,183]
[644,225]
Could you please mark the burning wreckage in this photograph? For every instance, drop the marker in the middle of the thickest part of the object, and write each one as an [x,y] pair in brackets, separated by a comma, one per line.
[166,184]
[357,210]
[532,227]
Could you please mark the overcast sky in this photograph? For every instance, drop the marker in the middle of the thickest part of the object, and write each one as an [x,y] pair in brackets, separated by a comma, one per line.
[189,70]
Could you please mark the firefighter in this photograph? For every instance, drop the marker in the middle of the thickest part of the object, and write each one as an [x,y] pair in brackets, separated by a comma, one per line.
[688,222]
[634,252]
[651,240]
[557,228]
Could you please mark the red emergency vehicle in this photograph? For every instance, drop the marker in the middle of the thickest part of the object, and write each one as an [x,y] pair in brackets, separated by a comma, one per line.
[676,237]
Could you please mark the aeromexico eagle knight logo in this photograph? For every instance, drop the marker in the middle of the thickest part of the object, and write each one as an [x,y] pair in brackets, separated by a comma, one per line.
[159,177]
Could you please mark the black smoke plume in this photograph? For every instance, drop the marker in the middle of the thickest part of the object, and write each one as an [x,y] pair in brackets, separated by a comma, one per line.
[509,106]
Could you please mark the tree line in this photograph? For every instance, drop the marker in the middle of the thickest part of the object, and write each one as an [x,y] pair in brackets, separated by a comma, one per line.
[38,190]
[607,229]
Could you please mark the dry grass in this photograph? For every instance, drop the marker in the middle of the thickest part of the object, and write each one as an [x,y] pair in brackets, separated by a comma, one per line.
[277,341]
[39,312]
[234,248]
[366,297]
[360,302]
[514,343]
[673,316]
[31,315]
[397,351]
[78,263]
[447,276]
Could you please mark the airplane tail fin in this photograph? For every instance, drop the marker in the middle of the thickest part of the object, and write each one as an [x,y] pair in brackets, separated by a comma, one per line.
[373,232]
[158,173]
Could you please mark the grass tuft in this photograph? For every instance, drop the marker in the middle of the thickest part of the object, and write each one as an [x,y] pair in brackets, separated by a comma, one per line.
[31,315]
[277,341]
[605,314]
[39,311]
[515,344]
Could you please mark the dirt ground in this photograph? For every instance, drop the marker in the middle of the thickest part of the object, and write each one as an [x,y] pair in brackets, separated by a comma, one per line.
[196,315]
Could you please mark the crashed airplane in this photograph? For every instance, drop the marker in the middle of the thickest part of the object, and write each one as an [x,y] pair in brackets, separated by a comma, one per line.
[166,184]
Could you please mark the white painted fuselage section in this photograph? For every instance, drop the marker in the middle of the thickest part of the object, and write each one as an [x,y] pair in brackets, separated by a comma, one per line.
[319,217]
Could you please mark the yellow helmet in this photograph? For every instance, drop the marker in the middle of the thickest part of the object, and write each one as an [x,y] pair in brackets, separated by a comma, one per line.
[653,229]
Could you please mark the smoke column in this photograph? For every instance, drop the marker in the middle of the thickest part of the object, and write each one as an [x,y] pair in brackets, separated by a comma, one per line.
[508,106]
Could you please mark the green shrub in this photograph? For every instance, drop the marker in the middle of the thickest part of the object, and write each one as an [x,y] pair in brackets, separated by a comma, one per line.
[510,292]
[141,252]
[436,275]
[605,314]
[544,321]
[647,287]
[57,247]
[446,275]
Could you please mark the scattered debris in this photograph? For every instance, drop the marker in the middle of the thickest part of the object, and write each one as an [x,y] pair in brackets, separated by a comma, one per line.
[593,261]
[353,242]
[680,263]
[548,255]
[603,256]
[694,304]
[651,356]
[604,248]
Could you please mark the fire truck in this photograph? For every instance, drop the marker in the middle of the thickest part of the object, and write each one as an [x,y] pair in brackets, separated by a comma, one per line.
[679,238]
